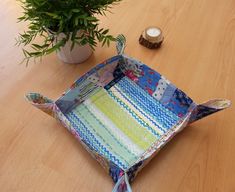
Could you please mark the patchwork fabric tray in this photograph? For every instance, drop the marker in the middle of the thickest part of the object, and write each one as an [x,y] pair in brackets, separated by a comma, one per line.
[124,112]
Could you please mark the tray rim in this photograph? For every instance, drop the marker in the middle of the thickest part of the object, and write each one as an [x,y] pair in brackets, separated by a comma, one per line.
[156,146]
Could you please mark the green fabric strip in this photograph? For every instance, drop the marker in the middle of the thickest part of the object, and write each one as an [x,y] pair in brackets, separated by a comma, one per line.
[124,121]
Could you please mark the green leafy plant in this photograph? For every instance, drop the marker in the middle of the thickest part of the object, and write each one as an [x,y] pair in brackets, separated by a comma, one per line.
[49,18]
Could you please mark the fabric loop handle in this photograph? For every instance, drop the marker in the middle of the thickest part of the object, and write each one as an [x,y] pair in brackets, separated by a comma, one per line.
[208,108]
[41,102]
[120,44]
[122,184]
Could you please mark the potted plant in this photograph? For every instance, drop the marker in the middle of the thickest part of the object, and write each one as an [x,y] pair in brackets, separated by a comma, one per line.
[68,27]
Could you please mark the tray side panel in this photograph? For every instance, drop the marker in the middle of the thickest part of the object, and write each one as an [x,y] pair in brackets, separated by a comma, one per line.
[158,87]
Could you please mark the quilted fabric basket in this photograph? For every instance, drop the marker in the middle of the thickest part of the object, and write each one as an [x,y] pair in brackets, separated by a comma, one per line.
[124,112]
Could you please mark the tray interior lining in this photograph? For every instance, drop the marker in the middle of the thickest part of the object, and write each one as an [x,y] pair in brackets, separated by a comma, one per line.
[121,123]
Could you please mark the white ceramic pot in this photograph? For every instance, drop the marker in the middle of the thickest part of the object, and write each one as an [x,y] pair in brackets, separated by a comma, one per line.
[78,55]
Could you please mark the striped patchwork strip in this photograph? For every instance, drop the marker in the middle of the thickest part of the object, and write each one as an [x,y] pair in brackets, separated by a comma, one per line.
[118,124]
[148,104]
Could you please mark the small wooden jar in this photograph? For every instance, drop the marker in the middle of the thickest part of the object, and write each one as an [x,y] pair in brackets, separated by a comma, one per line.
[151,37]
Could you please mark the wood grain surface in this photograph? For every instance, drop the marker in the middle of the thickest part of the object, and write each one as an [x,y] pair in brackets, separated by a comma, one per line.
[37,154]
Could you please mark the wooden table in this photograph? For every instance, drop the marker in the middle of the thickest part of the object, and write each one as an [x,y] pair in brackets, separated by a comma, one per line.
[198,55]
